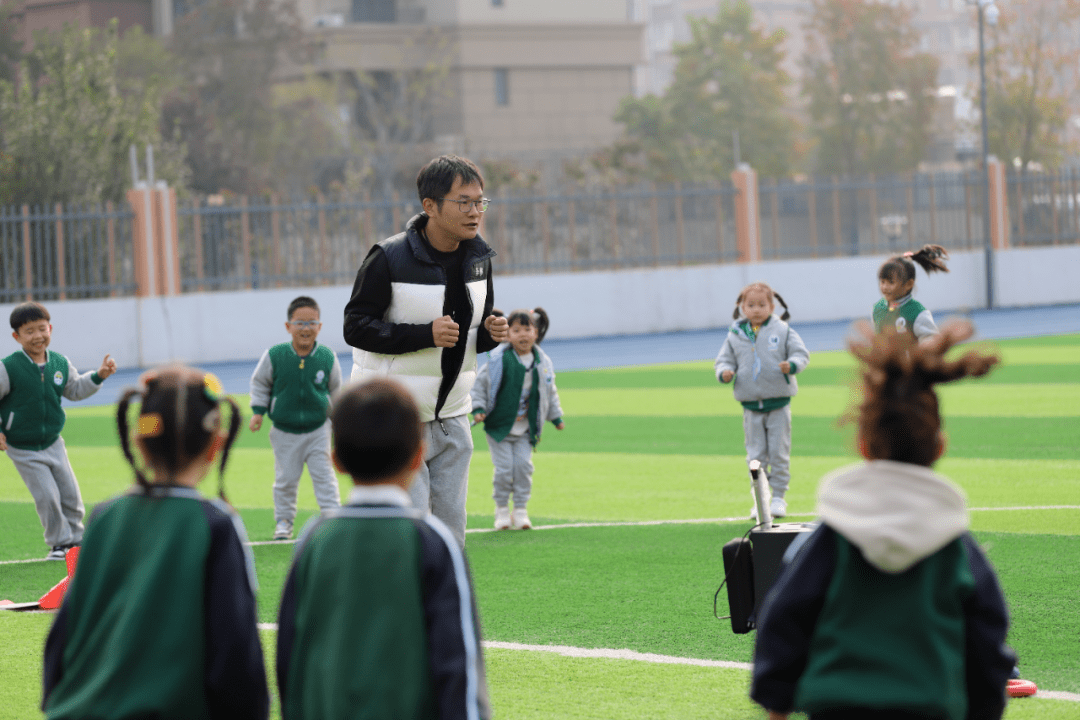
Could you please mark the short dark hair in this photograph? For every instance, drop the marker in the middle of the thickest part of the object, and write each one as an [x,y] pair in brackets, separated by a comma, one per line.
[437,177]
[302,302]
[28,312]
[376,429]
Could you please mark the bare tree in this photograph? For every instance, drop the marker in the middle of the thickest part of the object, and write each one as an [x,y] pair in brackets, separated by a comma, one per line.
[1033,81]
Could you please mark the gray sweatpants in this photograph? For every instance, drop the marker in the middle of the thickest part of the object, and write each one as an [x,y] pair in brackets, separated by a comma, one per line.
[51,482]
[512,458]
[441,485]
[768,440]
[291,452]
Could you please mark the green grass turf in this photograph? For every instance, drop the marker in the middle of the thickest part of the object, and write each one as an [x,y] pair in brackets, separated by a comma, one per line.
[653,443]
[649,589]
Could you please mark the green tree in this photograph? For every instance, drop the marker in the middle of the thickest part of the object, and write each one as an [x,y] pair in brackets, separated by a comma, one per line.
[225,109]
[10,47]
[869,91]
[1032,63]
[393,110]
[67,127]
[727,81]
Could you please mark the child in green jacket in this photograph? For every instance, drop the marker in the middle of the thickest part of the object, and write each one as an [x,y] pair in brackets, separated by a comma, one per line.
[292,384]
[32,381]
[378,617]
[890,609]
[159,620]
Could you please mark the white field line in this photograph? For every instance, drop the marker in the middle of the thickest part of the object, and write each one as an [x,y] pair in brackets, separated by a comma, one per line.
[695,521]
[611,654]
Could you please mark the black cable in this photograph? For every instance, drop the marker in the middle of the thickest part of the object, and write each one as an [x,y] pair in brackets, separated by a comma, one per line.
[724,582]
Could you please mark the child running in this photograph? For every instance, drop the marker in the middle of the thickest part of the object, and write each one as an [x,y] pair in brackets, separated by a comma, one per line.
[763,354]
[513,396]
[378,617]
[896,280]
[890,609]
[32,381]
[293,382]
[159,620]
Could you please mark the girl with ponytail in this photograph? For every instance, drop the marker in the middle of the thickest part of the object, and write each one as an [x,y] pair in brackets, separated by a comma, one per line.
[890,609]
[159,619]
[897,309]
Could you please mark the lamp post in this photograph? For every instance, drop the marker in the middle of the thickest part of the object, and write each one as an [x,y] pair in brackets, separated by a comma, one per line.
[988,13]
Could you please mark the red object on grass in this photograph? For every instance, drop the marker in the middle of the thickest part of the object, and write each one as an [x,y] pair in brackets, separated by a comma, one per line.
[1021,688]
[52,599]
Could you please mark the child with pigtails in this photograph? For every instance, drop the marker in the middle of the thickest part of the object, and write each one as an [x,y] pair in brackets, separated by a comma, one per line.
[889,609]
[514,395]
[762,354]
[159,619]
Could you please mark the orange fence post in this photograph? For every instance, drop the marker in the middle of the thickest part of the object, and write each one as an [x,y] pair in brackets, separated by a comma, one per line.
[999,204]
[747,227]
[166,248]
[141,244]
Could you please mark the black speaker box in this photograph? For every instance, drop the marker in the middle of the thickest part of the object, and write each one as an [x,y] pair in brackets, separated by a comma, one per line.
[770,544]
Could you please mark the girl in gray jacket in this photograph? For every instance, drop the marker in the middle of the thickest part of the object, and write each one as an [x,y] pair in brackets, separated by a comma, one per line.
[513,396]
[763,354]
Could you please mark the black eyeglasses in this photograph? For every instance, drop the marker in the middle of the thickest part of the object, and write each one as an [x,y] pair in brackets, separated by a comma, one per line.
[466,205]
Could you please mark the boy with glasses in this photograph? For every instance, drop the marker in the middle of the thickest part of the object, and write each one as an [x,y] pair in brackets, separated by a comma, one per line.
[420,311]
[293,383]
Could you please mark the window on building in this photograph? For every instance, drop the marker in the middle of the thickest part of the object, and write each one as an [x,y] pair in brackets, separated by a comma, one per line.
[944,38]
[502,87]
[373,11]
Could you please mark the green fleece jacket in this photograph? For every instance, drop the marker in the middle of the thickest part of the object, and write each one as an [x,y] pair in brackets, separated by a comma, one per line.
[31,417]
[295,390]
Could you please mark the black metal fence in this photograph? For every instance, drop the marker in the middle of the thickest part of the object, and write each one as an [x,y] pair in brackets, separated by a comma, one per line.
[60,253]
[239,243]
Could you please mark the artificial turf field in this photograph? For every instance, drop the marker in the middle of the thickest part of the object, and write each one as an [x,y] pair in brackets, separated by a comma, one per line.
[659,443]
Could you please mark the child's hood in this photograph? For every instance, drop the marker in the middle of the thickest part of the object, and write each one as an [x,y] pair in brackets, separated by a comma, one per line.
[895,513]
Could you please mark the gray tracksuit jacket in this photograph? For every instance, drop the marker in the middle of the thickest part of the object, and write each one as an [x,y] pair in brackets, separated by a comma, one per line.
[756,360]
[489,380]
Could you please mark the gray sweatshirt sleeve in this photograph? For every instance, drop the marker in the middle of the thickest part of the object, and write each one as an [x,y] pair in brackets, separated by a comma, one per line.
[924,326]
[335,375]
[554,407]
[80,387]
[5,381]
[480,389]
[726,360]
[262,383]
[797,354]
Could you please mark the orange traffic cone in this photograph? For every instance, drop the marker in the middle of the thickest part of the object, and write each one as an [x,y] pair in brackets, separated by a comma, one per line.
[52,599]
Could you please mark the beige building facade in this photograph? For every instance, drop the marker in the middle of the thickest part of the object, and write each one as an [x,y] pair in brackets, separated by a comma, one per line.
[525,79]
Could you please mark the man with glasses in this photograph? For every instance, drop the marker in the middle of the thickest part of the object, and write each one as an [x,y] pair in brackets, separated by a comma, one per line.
[420,311]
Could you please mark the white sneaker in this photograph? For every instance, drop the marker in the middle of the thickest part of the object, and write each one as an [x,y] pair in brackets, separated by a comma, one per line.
[283,531]
[778,507]
[502,517]
[521,519]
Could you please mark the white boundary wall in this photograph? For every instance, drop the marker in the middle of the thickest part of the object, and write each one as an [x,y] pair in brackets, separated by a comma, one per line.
[216,327]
